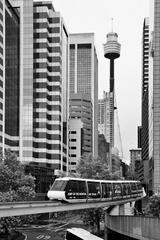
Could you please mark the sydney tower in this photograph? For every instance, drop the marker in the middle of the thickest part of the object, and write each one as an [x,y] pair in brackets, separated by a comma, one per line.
[112,51]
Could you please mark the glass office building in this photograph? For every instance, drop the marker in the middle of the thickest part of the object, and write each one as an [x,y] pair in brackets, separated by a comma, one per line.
[145,91]
[9,76]
[154,98]
[104,124]
[2,70]
[25,9]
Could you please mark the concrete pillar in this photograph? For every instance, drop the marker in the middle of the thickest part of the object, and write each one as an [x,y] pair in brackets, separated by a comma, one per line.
[121,209]
[105,226]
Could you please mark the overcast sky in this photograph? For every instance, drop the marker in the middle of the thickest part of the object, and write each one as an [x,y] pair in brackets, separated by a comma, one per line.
[95,16]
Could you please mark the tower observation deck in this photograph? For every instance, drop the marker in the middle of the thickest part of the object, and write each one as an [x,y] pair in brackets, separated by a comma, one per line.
[112,51]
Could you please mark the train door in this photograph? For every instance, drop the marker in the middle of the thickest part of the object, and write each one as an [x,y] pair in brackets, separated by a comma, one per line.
[94,190]
[117,191]
[106,191]
[139,188]
[129,192]
[134,189]
[71,189]
[124,190]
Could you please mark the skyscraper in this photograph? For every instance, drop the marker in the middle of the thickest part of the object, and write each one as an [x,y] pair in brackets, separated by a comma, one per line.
[80,128]
[50,84]
[154,98]
[2,70]
[43,85]
[104,126]
[83,72]
[145,92]
[9,77]
[25,9]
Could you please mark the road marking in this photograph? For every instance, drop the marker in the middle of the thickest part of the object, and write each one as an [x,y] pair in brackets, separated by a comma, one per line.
[25,236]
[44,237]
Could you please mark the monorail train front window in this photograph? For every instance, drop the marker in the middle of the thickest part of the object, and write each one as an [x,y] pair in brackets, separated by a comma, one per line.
[59,185]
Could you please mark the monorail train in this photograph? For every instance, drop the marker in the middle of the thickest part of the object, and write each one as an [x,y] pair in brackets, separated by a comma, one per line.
[76,189]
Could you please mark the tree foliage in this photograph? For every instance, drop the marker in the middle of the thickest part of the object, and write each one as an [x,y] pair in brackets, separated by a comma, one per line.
[88,167]
[14,184]
[153,206]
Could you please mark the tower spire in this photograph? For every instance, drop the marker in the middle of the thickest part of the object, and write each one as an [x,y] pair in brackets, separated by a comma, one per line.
[112,24]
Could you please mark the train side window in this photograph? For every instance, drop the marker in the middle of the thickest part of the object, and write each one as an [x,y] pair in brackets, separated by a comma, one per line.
[109,192]
[81,186]
[106,190]
[129,188]
[117,189]
[72,186]
[94,189]
[134,186]
[139,186]
[124,189]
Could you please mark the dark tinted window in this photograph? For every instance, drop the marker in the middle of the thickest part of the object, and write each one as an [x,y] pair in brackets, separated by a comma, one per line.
[59,185]
[76,186]
[134,186]
[94,189]
[117,189]
[106,190]
[139,185]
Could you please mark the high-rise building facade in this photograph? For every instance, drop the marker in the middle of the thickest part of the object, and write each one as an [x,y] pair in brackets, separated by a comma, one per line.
[43,85]
[104,125]
[80,128]
[25,9]
[135,158]
[154,98]
[144,103]
[83,75]
[50,108]
[9,77]
[2,69]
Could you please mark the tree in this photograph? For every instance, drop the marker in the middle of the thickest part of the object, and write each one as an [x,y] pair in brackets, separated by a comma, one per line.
[153,206]
[88,167]
[14,184]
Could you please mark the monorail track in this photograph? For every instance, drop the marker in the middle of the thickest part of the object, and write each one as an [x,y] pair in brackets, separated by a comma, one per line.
[27,208]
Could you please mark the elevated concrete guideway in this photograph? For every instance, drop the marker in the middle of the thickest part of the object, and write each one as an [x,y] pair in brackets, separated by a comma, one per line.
[26,208]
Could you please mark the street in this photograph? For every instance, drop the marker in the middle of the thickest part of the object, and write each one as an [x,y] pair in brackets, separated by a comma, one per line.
[55,229]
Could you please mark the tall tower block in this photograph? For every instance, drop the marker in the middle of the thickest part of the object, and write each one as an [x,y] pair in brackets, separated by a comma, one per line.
[112,51]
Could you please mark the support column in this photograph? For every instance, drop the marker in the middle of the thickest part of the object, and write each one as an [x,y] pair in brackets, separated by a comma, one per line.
[121,209]
[105,226]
